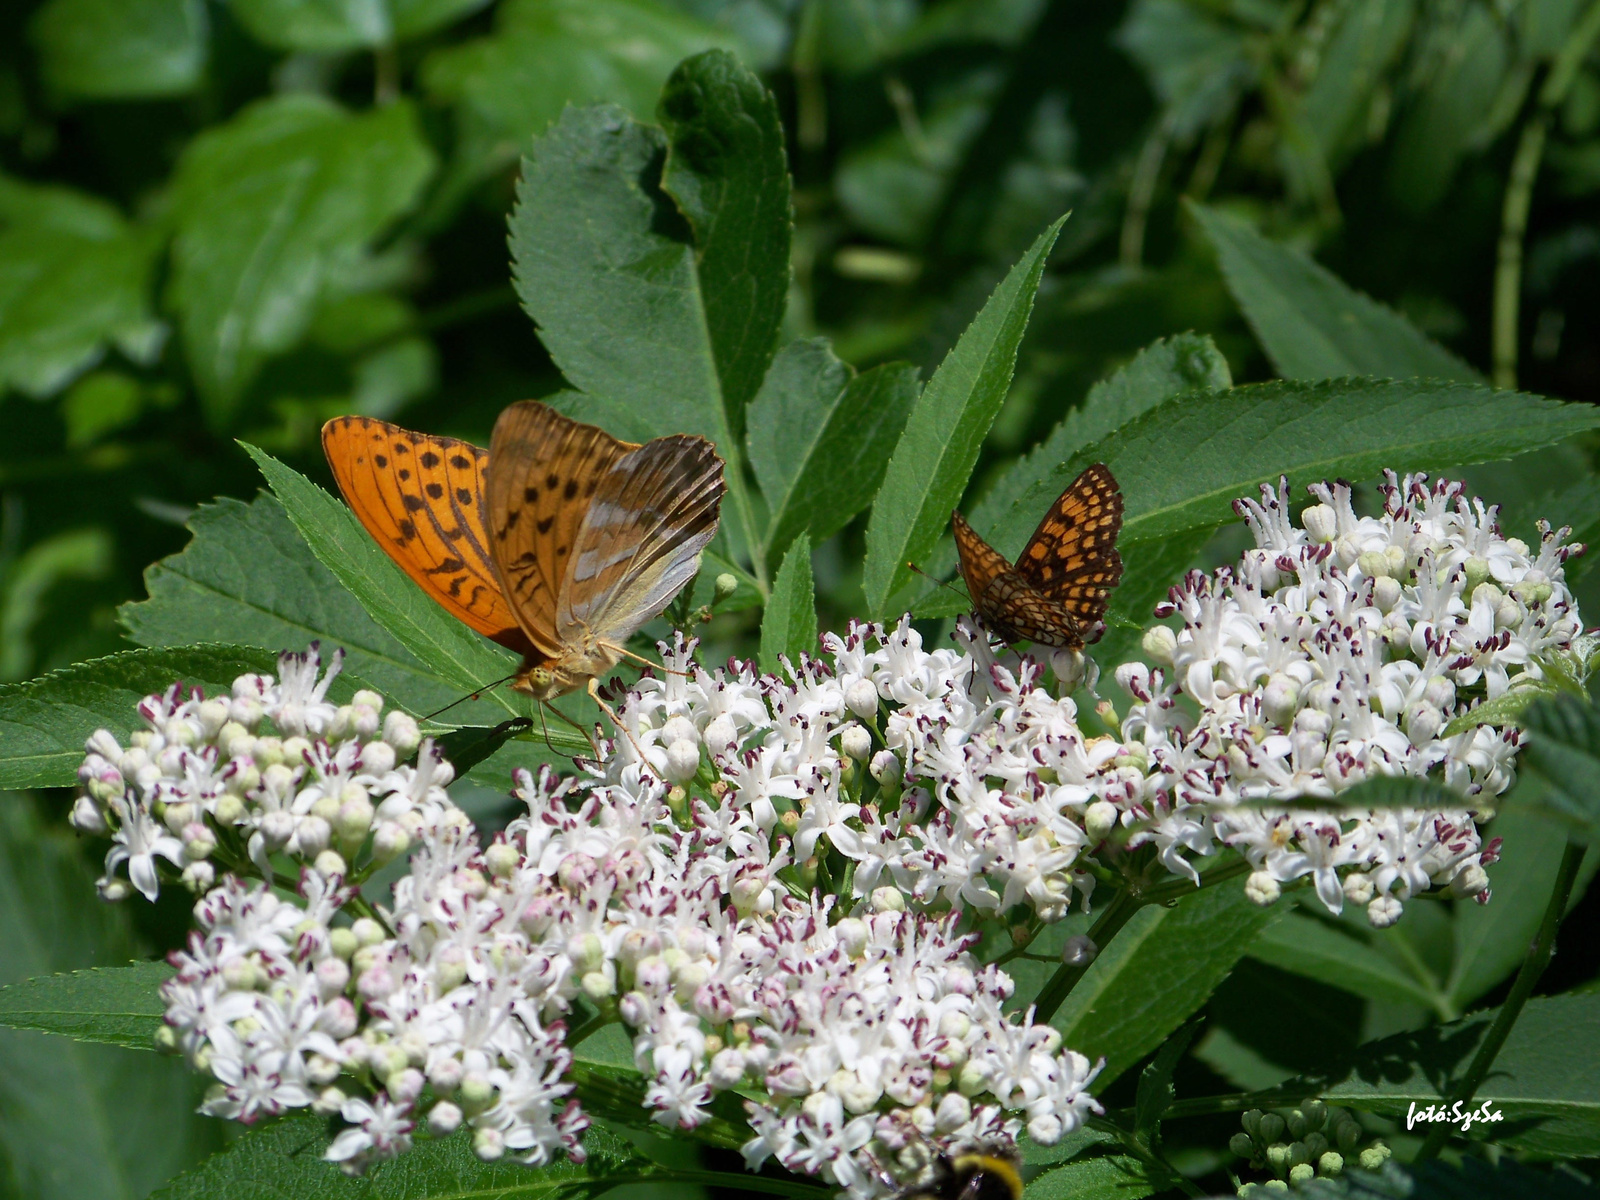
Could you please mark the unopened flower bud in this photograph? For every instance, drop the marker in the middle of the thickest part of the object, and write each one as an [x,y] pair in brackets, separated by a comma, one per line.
[1261,888]
[400,731]
[1099,819]
[1277,1156]
[377,758]
[1374,1156]
[1301,1172]
[1330,1163]
[389,841]
[888,899]
[488,1143]
[328,1102]
[1160,645]
[1383,911]
[198,877]
[1373,563]
[198,841]
[1386,591]
[311,836]
[444,1119]
[1079,951]
[1270,1128]
[1469,881]
[276,829]
[861,698]
[885,768]
[330,863]
[683,760]
[1321,523]
[1251,1121]
[720,733]
[501,858]
[1358,887]
[113,891]
[367,931]
[1241,1145]
[87,817]
[724,586]
[855,741]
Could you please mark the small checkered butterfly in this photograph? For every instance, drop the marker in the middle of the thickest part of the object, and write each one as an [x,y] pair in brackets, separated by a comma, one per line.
[559,541]
[1056,593]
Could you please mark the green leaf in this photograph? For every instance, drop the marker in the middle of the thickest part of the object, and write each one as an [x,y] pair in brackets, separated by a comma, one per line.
[1182,464]
[1491,939]
[1095,1177]
[413,18]
[73,276]
[460,656]
[121,49]
[1546,1078]
[1311,323]
[630,302]
[79,1120]
[789,625]
[274,209]
[1156,973]
[44,722]
[470,745]
[1156,1092]
[1338,955]
[546,54]
[247,576]
[1196,63]
[820,438]
[936,453]
[727,170]
[119,1006]
[1564,751]
[29,579]
[320,26]
[283,1161]
[1379,791]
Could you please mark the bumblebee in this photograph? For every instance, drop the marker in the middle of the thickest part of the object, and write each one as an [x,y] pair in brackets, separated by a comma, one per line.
[985,1174]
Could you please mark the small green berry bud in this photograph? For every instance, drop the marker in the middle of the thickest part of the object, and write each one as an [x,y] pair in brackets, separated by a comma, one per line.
[1241,1145]
[1301,1173]
[1271,1128]
[1331,1163]
[1374,1156]
[726,585]
[1251,1121]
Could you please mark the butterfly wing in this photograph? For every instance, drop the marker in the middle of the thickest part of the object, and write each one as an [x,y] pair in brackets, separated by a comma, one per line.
[1072,557]
[652,514]
[421,498]
[543,473]
[981,563]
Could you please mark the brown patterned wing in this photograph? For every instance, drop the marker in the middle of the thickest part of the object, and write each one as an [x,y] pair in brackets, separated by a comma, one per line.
[981,563]
[1072,557]
[544,470]
[421,499]
[653,513]
[1010,606]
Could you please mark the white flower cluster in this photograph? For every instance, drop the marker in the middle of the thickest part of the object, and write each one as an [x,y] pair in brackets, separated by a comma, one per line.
[1341,649]
[275,767]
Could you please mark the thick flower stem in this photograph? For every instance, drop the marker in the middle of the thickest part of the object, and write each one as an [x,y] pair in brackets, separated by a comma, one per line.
[1533,965]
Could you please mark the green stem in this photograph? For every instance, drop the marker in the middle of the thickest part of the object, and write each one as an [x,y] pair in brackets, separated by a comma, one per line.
[1533,965]
[385,73]
[1141,193]
[1519,193]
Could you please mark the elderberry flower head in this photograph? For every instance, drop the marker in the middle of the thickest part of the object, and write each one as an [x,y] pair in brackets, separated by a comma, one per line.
[1340,649]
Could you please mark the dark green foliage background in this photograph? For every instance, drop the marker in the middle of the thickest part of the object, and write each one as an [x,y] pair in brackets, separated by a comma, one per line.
[224,221]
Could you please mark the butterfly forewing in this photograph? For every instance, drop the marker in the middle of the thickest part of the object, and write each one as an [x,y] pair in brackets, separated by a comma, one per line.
[544,472]
[1057,592]
[651,516]
[422,500]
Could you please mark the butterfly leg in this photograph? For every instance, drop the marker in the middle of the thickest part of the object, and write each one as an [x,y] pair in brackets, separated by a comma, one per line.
[616,721]
[587,736]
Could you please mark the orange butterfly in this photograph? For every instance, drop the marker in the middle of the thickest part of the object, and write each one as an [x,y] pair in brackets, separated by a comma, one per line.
[1056,593]
[558,542]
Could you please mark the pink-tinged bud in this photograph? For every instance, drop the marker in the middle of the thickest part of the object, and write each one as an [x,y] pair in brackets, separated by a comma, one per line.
[444,1119]
[445,1075]
[333,976]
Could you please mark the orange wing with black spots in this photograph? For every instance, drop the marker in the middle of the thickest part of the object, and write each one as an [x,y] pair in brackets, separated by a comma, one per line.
[1056,594]
[422,500]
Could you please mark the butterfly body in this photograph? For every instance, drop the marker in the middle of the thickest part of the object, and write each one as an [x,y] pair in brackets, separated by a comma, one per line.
[558,542]
[1056,592]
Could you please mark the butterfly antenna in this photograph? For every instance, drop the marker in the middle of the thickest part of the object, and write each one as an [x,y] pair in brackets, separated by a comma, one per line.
[940,582]
[472,696]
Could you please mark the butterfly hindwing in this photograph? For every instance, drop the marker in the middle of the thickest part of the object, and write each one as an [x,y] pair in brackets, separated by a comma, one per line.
[1056,594]
[654,511]
[1072,557]
[544,470]
[422,500]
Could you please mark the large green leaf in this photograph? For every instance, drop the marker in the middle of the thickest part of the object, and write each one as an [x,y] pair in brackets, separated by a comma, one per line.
[332,26]
[1182,464]
[274,209]
[1157,972]
[1470,1179]
[460,656]
[1096,1177]
[247,576]
[121,49]
[789,624]
[1328,953]
[73,276]
[1545,1081]
[119,1006]
[820,438]
[545,54]
[1564,751]
[45,721]
[79,1120]
[936,453]
[1311,323]
[634,299]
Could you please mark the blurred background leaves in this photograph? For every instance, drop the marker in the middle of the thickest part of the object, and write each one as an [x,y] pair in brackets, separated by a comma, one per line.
[232,219]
